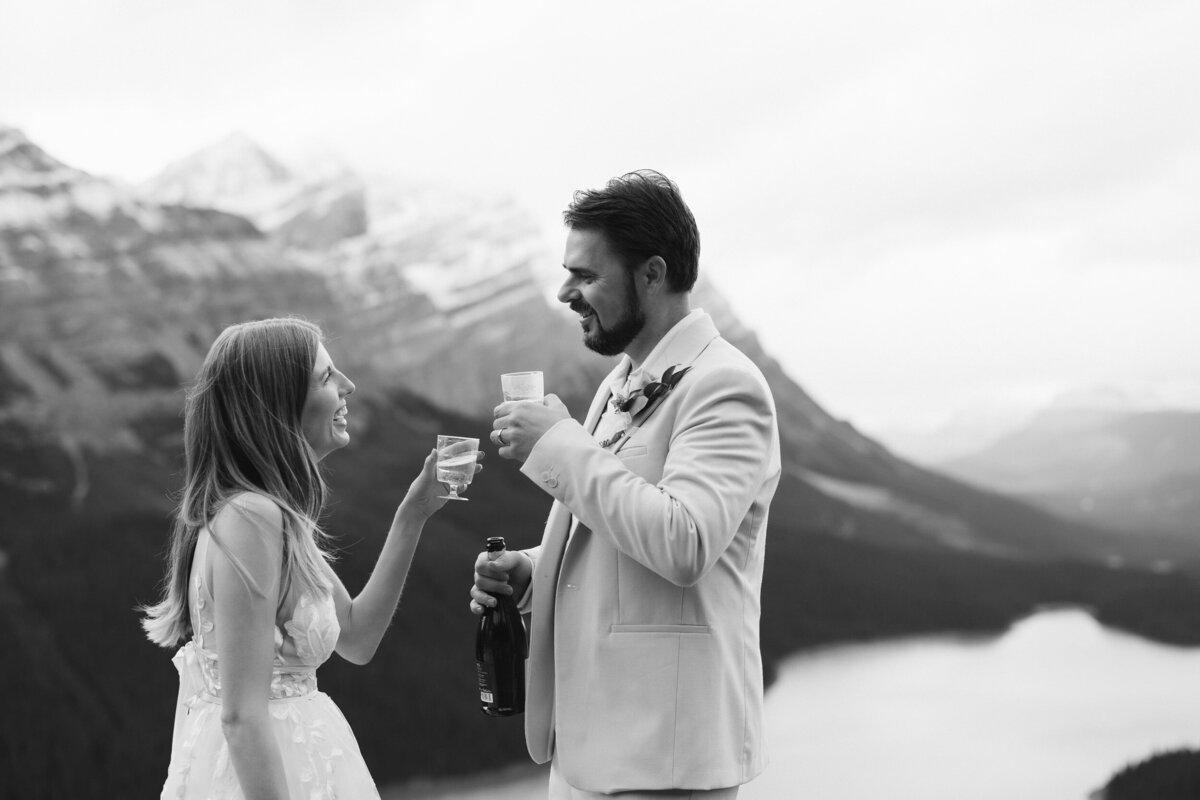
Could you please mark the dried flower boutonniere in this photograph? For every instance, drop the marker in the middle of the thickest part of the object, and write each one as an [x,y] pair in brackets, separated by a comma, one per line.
[625,408]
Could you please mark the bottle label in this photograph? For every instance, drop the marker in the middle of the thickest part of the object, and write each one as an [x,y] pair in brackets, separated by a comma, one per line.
[485,696]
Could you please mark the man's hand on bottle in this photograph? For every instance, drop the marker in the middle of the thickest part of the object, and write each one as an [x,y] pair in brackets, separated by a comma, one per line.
[508,573]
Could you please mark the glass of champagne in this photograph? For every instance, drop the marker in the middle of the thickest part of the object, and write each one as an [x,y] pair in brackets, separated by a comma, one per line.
[522,386]
[456,456]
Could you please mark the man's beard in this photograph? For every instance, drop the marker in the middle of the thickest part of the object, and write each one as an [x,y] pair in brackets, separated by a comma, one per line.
[613,340]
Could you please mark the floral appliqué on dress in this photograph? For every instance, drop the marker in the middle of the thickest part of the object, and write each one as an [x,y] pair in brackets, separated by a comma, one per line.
[322,760]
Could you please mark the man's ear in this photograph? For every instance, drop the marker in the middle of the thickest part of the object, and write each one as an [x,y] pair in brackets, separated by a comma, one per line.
[653,274]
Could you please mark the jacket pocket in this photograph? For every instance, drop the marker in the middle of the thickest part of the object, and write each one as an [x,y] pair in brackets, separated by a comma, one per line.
[701,630]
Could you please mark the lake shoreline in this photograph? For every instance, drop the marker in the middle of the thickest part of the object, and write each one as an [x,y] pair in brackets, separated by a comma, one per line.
[913,670]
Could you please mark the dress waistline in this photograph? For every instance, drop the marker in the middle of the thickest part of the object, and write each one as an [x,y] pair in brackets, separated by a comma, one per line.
[199,678]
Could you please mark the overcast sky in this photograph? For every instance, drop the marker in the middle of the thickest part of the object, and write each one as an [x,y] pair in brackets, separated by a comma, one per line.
[923,208]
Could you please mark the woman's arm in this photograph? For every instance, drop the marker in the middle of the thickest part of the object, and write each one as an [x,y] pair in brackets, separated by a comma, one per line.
[249,530]
[365,618]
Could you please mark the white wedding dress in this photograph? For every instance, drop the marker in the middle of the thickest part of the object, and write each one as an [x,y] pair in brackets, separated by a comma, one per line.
[320,754]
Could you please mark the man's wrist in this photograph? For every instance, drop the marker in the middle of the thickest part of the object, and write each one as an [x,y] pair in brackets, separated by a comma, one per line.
[521,575]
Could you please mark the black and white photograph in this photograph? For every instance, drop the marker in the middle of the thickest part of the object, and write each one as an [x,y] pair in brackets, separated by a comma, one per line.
[534,400]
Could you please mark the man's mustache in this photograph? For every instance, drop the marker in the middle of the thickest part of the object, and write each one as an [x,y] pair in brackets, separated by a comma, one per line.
[580,307]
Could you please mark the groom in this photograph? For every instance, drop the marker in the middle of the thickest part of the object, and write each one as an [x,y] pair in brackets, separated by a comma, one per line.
[645,677]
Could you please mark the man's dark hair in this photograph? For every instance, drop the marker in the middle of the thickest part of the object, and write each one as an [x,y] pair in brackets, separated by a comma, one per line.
[642,214]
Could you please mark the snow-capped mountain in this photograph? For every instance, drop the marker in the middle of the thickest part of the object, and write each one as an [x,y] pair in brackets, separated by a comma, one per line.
[235,173]
[25,166]
[63,209]
[312,206]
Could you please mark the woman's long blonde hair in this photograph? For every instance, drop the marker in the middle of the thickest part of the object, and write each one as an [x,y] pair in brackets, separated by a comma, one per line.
[242,433]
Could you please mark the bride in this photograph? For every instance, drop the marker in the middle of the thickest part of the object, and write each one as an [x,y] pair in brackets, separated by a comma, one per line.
[249,585]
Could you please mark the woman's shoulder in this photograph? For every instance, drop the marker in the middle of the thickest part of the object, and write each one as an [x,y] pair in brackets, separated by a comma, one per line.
[248,532]
[253,508]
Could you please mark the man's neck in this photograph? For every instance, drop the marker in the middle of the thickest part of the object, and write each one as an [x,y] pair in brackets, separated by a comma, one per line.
[657,326]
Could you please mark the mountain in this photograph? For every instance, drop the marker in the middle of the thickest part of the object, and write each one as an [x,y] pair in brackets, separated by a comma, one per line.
[1130,470]
[55,207]
[977,426]
[963,432]
[313,207]
[109,299]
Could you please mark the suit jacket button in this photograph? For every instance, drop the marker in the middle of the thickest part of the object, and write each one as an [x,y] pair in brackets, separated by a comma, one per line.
[550,479]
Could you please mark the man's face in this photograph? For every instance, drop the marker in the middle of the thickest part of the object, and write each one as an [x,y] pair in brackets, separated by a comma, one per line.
[601,291]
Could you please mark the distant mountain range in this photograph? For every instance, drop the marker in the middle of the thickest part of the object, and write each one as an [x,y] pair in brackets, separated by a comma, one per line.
[109,298]
[1129,470]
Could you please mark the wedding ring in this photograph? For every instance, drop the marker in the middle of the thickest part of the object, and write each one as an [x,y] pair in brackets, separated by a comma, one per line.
[500,437]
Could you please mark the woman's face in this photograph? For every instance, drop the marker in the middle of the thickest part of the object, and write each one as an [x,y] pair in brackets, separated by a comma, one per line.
[323,419]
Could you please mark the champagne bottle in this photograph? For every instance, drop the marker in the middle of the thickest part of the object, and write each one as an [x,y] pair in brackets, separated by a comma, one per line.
[500,651]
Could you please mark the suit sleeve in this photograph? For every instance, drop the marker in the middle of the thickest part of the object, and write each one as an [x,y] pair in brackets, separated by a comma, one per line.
[525,601]
[716,463]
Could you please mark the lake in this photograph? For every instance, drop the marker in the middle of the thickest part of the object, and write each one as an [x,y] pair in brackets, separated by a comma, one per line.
[1047,711]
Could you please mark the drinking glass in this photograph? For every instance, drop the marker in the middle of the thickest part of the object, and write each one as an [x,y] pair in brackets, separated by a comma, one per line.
[522,386]
[456,463]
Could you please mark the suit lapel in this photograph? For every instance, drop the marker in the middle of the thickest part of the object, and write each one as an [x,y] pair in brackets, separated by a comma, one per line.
[681,352]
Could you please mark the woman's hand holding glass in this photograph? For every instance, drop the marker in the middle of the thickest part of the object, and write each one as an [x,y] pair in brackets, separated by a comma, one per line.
[427,494]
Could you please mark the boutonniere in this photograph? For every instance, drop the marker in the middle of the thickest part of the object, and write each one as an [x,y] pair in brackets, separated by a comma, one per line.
[640,398]
[623,408]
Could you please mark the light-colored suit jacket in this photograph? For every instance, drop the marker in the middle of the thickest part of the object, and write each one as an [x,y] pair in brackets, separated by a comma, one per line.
[644,665]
